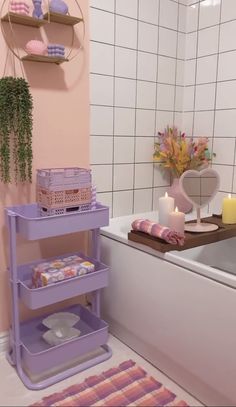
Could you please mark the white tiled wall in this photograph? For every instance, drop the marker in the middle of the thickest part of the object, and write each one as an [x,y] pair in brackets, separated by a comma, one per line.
[153,63]
[134,48]
[209,107]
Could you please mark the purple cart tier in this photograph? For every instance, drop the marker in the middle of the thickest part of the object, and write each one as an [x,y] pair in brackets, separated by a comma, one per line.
[28,351]
[36,297]
[39,357]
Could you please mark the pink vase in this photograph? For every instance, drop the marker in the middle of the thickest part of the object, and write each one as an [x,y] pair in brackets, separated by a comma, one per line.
[180,201]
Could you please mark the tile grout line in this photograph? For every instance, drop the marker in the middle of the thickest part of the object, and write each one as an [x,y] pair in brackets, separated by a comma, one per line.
[195,84]
[156,102]
[216,86]
[176,66]
[135,110]
[114,111]
[134,49]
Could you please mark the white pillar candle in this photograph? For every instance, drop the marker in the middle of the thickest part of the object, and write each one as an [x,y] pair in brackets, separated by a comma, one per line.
[166,206]
[177,221]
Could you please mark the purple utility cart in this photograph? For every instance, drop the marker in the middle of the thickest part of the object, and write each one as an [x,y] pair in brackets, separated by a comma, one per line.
[31,355]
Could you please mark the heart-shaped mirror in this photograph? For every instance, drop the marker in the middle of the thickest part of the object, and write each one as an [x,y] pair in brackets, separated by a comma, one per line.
[199,187]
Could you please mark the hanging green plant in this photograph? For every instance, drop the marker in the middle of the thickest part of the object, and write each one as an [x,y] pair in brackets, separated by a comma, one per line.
[16,123]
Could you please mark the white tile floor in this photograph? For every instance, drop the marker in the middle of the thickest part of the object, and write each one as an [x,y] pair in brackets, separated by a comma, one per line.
[13,392]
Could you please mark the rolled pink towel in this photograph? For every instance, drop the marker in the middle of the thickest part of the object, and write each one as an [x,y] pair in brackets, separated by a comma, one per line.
[157,230]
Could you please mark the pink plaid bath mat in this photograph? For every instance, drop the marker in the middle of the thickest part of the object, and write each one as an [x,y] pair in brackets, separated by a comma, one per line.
[126,385]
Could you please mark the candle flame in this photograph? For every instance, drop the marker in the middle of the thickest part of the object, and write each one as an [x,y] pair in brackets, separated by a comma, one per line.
[176,209]
[166,195]
[229,196]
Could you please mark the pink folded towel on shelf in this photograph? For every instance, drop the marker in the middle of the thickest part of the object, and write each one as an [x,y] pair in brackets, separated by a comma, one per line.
[157,230]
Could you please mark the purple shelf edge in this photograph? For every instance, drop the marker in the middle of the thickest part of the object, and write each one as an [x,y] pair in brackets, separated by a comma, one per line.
[32,226]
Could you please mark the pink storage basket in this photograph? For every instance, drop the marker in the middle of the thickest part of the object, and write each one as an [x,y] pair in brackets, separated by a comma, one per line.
[61,190]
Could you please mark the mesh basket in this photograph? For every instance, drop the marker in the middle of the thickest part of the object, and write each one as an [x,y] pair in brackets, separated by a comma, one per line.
[60,211]
[64,188]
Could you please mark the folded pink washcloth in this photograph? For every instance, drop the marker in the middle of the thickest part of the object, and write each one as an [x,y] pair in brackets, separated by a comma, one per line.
[157,230]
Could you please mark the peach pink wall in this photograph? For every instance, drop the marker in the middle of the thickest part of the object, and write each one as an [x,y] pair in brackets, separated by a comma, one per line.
[60,138]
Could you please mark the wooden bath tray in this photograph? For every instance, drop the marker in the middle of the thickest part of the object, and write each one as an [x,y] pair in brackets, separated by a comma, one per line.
[191,239]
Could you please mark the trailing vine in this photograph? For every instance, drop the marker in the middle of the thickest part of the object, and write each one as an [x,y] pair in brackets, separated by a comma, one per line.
[16,124]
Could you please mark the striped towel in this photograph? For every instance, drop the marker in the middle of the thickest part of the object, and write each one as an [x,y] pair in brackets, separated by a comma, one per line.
[157,230]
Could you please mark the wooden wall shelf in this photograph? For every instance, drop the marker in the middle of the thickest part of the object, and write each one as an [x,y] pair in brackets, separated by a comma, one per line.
[44,58]
[23,20]
[62,18]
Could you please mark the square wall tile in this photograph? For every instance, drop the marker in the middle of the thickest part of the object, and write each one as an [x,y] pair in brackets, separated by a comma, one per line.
[123,176]
[206,69]
[143,175]
[107,5]
[205,97]
[227,66]
[101,120]
[125,92]
[209,13]
[145,123]
[142,200]
[158,193]
[125,62]
[192,18]
[101,90]
[144,148]
[148,11]
[147,37]
[228,36]
[226,92]
[178,120]
[166,70]
[124,122]
[127,8]
[146,95]
[188,98]
[216,205]
[164,119]
[182,21]
[123,150]
[167,42]
[102,58]
[122,203]
[203,124]
[101,26]
[228,11]
[105,199]
[179,98]
[101,150]
[190,72]
[126,32]
[165,97]
[187,125]
[168,14]
[224,148]
[102,177]
[234,182]
[191,45]
[225,123]
[181,46]
[208,41]
[226,176]
[147,66]
[179,72]
[189,2]
[161,177]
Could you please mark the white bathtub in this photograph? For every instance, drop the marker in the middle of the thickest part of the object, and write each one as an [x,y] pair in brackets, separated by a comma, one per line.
[176,309]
